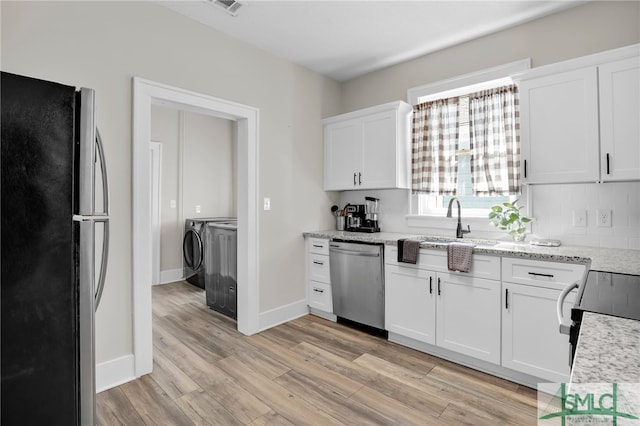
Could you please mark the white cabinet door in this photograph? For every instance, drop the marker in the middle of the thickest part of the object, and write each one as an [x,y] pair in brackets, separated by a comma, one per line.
[468,316]
[410,303]
[559,127]
[620,120]
[379,153]
[368,149]
[343,155]
[531,341]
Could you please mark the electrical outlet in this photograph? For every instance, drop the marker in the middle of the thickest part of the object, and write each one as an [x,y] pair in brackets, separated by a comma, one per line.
[604,218]
[197,209]
[267,203]
[580,218]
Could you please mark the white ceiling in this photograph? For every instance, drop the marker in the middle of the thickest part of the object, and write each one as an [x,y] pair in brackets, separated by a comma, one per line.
[346,39]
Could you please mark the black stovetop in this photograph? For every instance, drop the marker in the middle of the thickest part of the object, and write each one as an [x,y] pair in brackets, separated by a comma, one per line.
[610,294]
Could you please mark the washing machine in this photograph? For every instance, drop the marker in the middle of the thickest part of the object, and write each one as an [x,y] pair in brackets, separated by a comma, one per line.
[221,267]
[193,247]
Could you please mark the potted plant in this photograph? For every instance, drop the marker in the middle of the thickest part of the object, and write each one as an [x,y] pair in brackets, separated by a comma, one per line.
[507,216]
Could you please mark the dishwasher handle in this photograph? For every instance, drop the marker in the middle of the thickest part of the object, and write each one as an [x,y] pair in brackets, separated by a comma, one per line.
[334,249]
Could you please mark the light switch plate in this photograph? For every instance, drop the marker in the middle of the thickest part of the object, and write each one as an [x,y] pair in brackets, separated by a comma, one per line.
[580,218]
[267,203]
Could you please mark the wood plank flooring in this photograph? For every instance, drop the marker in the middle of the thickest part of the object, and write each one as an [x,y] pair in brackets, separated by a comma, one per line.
[307,372]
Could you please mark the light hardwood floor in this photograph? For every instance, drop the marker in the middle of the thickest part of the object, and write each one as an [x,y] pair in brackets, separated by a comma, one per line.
[308,371]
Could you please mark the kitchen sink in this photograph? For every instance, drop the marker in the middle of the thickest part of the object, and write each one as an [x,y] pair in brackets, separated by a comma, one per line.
[438,240]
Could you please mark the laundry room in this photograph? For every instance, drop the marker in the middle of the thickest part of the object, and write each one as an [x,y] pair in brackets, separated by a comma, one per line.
[193,168]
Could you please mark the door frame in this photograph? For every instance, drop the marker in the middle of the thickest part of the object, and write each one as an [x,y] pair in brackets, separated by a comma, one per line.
[156,203]
[146,93]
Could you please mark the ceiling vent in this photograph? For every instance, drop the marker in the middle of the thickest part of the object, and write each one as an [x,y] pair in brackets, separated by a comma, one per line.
[230,6]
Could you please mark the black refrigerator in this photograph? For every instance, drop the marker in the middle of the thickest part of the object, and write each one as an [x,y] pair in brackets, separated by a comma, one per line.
[55,230]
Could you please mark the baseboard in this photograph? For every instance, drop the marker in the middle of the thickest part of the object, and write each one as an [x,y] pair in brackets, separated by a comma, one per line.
[170,276]
[323,314]
[115,372]
[467,361]
[283,314]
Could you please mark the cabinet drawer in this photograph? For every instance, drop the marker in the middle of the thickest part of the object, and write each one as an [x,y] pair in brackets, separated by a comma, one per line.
[320,296]
[318,246]
[541,273]
[318,268]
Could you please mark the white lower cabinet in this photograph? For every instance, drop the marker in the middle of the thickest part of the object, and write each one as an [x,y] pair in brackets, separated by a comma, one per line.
[503,312]
[410,303]
[319,296]
[454,311]
[468,316]
[531,342]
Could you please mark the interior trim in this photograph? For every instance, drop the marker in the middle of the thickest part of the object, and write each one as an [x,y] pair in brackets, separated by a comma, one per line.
[146,93]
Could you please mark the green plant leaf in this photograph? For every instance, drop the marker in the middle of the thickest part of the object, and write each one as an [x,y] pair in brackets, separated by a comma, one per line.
[525,219]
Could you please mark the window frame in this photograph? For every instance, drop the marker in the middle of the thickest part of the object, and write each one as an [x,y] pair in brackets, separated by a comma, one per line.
[479,80]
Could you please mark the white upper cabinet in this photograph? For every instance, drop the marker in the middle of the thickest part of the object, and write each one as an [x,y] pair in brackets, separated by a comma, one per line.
[368,149]
[559,127]
[580,119]
[620,120]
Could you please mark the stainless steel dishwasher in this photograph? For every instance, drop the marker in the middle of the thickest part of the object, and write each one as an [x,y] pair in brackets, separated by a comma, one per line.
[357,282]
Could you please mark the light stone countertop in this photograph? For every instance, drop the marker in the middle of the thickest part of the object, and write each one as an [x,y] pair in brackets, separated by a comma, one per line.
[608,350]
[625,261]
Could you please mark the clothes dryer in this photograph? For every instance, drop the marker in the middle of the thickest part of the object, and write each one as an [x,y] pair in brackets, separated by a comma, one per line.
[193,247]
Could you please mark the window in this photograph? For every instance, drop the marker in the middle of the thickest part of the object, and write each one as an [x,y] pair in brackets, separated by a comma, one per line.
[435,204]
[473,205]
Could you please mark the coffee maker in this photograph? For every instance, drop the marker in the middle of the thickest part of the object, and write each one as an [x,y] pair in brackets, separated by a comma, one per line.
[363,217]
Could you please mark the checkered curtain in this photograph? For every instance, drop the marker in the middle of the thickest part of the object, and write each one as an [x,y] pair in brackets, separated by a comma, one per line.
[494,126]
[434,169]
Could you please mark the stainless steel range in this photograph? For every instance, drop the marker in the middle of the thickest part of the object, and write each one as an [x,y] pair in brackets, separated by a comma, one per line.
[605,293]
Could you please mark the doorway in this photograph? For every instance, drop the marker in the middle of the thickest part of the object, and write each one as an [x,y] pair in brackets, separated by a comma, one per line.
[146,93]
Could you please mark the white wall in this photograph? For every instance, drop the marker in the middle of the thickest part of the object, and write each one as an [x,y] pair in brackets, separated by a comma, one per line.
[198,169]
[165,130]
[591,28]
[103,45]
[208,166]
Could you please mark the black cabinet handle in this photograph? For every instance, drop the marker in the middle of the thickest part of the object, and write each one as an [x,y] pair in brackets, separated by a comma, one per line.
[359,178]
[506,298]
[354,179]
[430,285]
[608,171]
[318,263]
[525,168]
[318,245]
[537,274]
[438,286]
[317,290]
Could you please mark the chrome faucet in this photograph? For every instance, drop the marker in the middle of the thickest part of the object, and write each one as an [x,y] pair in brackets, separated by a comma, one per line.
[459,231]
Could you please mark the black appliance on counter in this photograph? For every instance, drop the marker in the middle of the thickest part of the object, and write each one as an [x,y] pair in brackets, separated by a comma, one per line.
[605,293]
[54,224]
[363,217]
